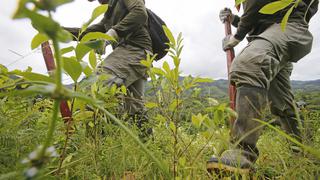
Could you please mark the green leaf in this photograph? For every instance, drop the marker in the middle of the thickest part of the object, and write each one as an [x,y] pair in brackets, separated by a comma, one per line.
[86,69]
[124,89]
[151,105]
[285,19]
[50,5]
[174,104]
[35,77]
[231,112]
[169,35]
[91,124]
[21,8]
[93,59]
[182,161]
[64,36]
[99,11]
[213,102]
[46,90]
[96,13]
[82,50]
[274,7]
[97,44]
[66,50]
[198,119]
[173,127]
[146,63]
[239,2]
[158,71]
[166,67]
[176,61]
[43,24]
[38,40]
[97,35]
[72,67]
[67,160]
[160,118]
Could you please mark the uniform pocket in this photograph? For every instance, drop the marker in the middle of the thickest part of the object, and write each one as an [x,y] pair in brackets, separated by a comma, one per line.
[300,44]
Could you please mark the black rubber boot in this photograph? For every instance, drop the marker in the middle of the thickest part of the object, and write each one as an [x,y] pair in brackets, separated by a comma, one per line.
[251,103]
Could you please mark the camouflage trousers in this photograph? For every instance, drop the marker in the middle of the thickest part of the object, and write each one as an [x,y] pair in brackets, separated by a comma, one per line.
[267,63]
[124,66]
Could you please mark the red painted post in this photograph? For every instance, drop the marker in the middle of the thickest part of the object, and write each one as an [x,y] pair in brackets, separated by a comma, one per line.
[50,64]
[230,57]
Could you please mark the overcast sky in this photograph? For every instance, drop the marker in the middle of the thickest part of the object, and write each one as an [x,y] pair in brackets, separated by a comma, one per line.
[197,20]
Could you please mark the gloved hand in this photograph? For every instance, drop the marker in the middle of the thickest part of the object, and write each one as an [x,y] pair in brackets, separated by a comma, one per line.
[229,42]
[225,14]
[113,34]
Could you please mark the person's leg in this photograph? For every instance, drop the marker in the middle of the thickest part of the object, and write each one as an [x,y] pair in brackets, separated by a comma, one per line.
[251,72]
[282,101]
[133,101]
[134,105]
[256,67]
[124,65]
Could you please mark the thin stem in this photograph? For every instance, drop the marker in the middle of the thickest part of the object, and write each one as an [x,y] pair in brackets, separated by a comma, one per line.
[58,72]
[62,157]
[52,127]
[56,105]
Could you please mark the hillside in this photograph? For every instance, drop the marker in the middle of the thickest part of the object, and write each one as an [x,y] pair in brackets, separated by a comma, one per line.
[219,88]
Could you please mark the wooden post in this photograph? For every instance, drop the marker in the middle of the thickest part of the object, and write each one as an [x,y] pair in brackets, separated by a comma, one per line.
[230,57]
[49,60]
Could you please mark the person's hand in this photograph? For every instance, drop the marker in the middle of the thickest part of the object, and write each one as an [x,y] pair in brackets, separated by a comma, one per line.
[225,14]
[113,33]
[229,42]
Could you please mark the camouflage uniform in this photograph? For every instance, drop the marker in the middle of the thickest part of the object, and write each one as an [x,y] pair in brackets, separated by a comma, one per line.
[129,20]
[266,62]
[261,73]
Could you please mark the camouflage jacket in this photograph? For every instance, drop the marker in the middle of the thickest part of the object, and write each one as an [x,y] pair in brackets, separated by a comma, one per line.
[128,18]
[253,23]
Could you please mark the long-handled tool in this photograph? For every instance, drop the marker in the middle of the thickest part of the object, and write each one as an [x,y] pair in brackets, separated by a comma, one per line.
[230,57]
[49,60]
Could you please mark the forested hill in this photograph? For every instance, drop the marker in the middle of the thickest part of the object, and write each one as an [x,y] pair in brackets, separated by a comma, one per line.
[219,88]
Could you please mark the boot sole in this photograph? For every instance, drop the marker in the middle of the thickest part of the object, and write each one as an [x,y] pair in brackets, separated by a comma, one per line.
[218,167]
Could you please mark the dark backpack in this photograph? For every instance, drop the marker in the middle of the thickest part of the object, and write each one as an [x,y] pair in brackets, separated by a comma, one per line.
[157,34]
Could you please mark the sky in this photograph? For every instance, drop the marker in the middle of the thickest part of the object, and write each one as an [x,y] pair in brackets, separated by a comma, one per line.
[198,21]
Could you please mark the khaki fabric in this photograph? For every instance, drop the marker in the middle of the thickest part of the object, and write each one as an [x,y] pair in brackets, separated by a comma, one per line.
[269,54]
[267,63]
[254,23]
[130,20]
[124,63]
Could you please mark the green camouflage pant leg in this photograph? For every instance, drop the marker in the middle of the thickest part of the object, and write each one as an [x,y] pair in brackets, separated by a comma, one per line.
[255,66]
[266,62]
[281,100]
[124,63]
[267,54]
[134,100]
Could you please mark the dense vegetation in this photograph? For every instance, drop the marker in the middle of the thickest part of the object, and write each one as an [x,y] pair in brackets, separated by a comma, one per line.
[188,115]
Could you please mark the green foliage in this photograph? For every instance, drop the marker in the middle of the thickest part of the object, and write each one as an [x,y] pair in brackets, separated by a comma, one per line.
[276,6]
[72,67]
[96,13]
[189,123]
